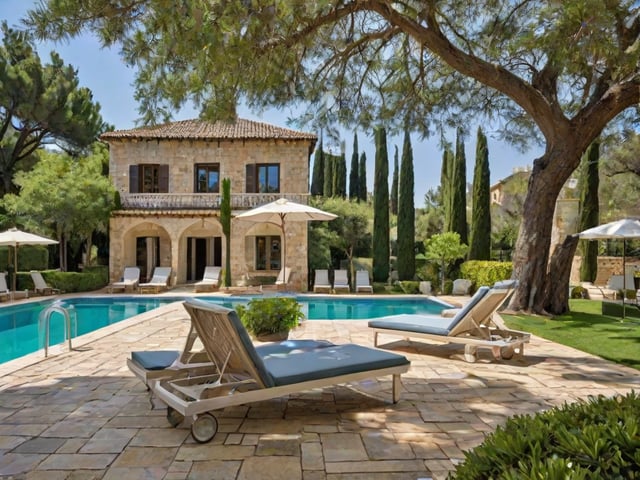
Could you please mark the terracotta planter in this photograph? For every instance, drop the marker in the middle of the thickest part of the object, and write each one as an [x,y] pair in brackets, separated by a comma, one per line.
[273,337]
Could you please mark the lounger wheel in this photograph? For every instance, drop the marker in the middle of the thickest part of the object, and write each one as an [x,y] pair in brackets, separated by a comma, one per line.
[204,428]
[507,353]
[174,417]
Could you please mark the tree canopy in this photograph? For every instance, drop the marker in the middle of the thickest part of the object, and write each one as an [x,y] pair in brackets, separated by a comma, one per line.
[40,104]
[557,71]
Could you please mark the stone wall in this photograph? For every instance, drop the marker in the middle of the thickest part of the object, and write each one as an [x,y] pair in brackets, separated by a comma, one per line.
[607,266]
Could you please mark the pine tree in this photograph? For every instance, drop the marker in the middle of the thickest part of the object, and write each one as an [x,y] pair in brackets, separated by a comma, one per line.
[340,176]
[406,214]
[590,212]
[328,174]
[362,178]
[381,209]
[459,191]
[317,179]
[393,201]
[480,242]
[354,184]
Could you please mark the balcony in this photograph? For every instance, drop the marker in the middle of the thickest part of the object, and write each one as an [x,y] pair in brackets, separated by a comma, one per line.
[202,201]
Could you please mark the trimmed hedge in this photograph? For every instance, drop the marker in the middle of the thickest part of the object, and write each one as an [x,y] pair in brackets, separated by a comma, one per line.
[483,272]
[92,278]
[594,439]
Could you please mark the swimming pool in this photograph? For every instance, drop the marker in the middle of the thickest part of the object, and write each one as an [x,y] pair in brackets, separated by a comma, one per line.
[21,334]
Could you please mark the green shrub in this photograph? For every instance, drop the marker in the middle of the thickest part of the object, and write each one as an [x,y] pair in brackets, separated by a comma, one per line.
[92,278]
[409,286]
[263,316]
[448,287]
[483,272]
[594,439]
[578,292]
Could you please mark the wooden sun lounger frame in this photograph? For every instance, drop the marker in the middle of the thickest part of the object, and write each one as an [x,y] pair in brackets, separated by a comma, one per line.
[476,329]
[237,380]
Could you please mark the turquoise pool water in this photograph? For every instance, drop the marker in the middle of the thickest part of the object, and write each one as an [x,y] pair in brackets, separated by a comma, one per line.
[21,334]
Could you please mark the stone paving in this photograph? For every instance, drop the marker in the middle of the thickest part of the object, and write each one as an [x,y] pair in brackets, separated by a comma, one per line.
[83,415]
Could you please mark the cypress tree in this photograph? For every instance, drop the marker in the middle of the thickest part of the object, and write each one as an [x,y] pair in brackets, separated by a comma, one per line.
[340,176]
[317,178]
[354,184]
[362,178]
[406,214]
[225,220]
[459,191]
[328,174]
[590,212]
[381,209]
[393,201]
[480,243]
[445,186]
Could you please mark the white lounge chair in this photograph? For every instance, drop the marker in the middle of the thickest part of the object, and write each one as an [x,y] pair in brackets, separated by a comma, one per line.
[363,284]
[5,293]
[210,279]
[473,326]
[130,280]
[341,281]
[246,376]
[159,281]
[321,281]
[40,286]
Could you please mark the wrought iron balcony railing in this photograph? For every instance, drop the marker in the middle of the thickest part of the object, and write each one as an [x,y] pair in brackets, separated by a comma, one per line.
[202,201]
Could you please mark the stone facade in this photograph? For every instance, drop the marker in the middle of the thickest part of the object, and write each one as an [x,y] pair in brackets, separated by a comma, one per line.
[181,228]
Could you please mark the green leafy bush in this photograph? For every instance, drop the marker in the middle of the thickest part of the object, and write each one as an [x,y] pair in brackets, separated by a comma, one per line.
[409,286]
[263,316]
[578,292]
[92,278]
[483,272]
[594,439]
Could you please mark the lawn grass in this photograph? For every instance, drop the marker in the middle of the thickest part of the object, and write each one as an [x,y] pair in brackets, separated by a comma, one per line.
[587,329]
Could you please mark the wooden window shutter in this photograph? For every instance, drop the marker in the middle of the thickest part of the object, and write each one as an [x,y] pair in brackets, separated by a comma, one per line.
[163,179]
[133,179]
[250,179]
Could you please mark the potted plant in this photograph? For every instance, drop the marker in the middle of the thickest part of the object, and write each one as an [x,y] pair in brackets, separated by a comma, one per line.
[270,319]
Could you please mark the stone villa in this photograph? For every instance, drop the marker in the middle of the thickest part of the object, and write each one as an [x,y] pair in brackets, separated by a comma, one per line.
[168,178]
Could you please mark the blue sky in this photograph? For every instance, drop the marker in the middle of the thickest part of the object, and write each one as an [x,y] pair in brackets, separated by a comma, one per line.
[110,80]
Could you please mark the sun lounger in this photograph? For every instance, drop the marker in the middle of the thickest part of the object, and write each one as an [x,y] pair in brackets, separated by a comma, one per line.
[130,280]
[159,281]
[321,282]
[341,281]
[362,282]
[245,376]
[40,286]
[473,326]
[210,279]
[5,293]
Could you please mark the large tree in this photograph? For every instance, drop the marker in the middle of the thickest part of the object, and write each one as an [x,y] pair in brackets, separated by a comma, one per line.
[39,104]
[362,178]
[67,196]
[393,196]
[458,191]
[558,71]
[480,242]
[317,176]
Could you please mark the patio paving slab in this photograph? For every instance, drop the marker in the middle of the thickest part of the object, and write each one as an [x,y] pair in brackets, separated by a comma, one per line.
[82,414]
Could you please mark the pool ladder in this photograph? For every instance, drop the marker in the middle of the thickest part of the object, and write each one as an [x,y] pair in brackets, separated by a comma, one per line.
[45,317]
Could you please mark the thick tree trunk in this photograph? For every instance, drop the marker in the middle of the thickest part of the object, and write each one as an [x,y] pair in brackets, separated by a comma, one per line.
[556,290]
[531,257]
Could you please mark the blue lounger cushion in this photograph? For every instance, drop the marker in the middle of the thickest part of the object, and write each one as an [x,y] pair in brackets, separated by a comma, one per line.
[155,359]
[432,324]
[161,359]
[329,362]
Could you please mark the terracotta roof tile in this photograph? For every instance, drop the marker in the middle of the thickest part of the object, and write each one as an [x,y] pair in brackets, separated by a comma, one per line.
[203,130]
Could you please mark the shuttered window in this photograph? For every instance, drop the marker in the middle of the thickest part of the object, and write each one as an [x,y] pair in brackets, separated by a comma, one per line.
[148,178]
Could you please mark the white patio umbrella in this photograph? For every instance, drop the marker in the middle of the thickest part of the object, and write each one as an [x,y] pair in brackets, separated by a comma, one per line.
[282,211]
[627,228]
[15,238]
